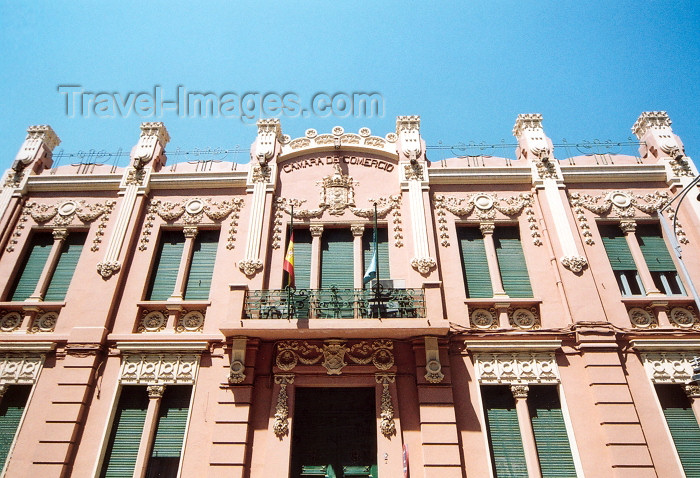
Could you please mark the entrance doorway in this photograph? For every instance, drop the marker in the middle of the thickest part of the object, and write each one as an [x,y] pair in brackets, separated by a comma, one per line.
[335,434]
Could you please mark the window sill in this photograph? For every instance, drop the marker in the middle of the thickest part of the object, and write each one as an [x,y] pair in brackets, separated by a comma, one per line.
[174,303]
[661,299]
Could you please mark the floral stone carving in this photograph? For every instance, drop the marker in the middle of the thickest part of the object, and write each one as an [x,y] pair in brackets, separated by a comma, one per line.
[334,354]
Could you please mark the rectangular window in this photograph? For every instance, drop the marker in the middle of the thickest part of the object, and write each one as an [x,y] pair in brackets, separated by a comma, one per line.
[621,260]
[302,259]
[337,297]
[511,262]
[477,280]
[383,251]
[128,427]
[11,410]
[551,437]
[35,261]
[658,260]
[202,265]
[167,265]
[682,424]
[507,454]
[68,260]
[170,432]
[125,438]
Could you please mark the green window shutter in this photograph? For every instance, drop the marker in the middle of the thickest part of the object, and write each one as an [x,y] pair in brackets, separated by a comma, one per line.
[383,251]
[550,432]
[511,262]
[683,426]
[302,258]
[202,265]
[67,262]
[33,265]
[477,280]
[337,265]
[127,428]
[11,410]
[507,453]
[616,247]
[166,266]
[654,249]
[170,432]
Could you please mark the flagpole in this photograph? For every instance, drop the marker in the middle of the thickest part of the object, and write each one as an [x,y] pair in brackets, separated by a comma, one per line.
[289,289]
[376,265]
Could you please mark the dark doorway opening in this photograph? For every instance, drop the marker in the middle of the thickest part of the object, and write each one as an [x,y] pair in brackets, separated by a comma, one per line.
[334,433]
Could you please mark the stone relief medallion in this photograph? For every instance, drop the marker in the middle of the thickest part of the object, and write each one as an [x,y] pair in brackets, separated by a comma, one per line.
[682,317]
[10,321]
[44,322]
[641,318]
[194,206]
[524,319]
[620,199]
[483,202]
[483,319]
[337,192]
[153,321]
[67,208]
[192,321]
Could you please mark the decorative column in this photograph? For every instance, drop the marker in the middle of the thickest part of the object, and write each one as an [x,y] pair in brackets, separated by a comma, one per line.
[148,155]
[538,150]
[629,226]
[358,231]
[386,425]
[693,393]
[281,423]
[487,228]
[59,237]
[185,261]
[155,394]
[527,433]
[315,278]
[261,179]
[414,174]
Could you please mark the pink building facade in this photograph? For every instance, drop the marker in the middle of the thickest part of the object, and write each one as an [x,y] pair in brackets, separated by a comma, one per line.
[531,315]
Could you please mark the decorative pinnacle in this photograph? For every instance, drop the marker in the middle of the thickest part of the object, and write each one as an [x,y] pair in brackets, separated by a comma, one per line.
[45,133]
[157,129]
[527,121]
[650,119]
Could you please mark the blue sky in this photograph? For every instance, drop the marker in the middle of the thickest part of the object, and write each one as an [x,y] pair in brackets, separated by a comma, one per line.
[589,67]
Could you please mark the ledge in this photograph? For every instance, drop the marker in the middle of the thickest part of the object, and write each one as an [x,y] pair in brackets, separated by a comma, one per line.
[337,328]
[657,299]
[481,175]
[613,173]
[511,345]
[665,344]
[161,346]
[19,346]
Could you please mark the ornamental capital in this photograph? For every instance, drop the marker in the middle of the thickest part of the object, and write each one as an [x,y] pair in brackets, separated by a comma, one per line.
[190,231]
[487,227]
[155,391]
[650,119]
[527,122]
[357,229]
[316,230]
[628,225]
[60,234]
[519,391]
[692,391]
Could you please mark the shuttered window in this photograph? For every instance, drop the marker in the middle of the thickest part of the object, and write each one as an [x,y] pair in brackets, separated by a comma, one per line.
[658,259]
[616,247]
[125,437]
[337,265]
[167,264]
[654,249]
[32,266]
[302,258]
[477,280]
[71,249]
[511,262]
[11,410]
[621,260]
[170,431]
[382,248]
[507,455]
[202,265]
[683,426]
[551,437]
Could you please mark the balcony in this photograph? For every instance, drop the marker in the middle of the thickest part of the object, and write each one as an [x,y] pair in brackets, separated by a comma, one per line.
[335,303]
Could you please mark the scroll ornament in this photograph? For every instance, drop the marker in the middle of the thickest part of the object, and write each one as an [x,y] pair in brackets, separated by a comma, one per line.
[334,353]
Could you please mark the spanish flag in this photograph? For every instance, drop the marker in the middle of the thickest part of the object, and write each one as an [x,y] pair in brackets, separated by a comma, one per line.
[288,265]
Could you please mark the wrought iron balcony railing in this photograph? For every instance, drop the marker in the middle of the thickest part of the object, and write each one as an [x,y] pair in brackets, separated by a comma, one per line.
[334,303]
